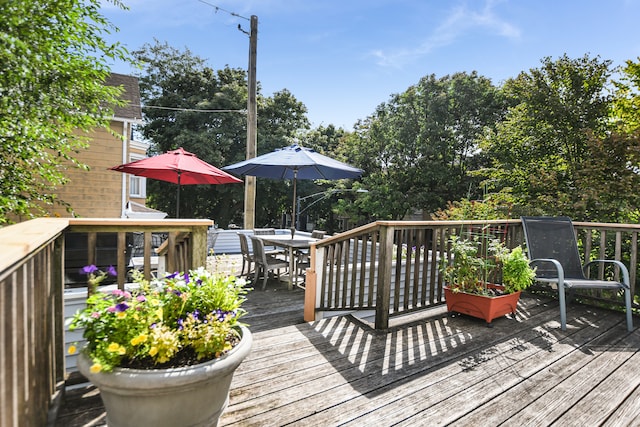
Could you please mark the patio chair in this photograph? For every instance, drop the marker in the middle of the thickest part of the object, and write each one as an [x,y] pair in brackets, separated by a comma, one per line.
[270,250]
[302,258]
[265,263]
[553,250]
[318,234]
[303,254]
[247,255]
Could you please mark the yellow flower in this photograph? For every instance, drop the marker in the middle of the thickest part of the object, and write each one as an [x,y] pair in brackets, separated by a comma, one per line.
[139,339]
[121,315]
[153,351]
[116,348]
[72,349]
[159,313]
[95,368]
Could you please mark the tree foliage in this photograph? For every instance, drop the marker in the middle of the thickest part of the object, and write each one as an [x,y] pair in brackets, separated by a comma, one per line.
[554,149]
[188,104]
[54,63]
[626,106]
[417,149]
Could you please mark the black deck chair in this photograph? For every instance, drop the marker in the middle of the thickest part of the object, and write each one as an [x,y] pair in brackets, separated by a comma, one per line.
[553,250]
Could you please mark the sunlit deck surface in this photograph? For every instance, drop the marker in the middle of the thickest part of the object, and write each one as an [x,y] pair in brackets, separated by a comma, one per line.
[426,370]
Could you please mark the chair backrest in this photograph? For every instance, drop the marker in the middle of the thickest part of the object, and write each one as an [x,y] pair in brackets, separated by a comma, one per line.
[555,238]
[259,231]
[318,234]
[258,251]
[212,236]
[244,245]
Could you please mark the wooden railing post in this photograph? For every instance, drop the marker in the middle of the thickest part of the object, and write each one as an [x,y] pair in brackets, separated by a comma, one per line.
[311,281]
[57,272]
[122,259]
[383,293]
[198,247]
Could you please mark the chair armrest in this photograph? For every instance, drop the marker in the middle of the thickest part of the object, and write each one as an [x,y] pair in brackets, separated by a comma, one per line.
[556,264]
[623,268]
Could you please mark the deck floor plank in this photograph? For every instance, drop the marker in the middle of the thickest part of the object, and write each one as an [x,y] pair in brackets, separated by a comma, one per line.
[465,383]
[608,384]
[509,369]
[524,398]
[434,370]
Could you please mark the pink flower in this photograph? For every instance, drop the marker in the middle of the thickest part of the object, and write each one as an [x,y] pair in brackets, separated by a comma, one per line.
[95,315]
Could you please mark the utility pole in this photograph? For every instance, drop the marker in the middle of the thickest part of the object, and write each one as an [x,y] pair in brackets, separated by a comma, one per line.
[252,127]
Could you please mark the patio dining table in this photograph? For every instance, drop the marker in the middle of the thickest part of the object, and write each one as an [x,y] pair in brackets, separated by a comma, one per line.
[291,244]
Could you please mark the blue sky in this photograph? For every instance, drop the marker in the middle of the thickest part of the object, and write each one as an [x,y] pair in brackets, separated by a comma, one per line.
[344,58]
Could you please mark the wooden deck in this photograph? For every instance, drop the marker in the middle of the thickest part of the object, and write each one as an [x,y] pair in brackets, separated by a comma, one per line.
[435,370]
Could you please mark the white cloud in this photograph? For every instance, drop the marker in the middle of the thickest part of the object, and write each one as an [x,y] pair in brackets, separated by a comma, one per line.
[460,21]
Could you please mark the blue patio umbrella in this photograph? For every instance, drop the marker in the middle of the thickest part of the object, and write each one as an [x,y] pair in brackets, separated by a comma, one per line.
[294,162]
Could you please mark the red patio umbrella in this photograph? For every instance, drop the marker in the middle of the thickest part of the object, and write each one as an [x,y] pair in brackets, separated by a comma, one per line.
[180,167]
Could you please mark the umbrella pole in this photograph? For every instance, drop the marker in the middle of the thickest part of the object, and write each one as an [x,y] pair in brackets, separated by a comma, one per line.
[178,198]
[293,210]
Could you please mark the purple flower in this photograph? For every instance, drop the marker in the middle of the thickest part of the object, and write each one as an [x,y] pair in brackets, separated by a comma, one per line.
[196,314]
[122,306]
[180,324]
[89,269]
[172,275]
[186,277]
[111,271]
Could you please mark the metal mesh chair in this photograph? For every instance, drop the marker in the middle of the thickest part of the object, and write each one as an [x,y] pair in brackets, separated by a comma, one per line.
[553,250]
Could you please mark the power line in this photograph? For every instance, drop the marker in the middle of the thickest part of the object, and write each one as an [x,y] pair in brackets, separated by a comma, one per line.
[190,109]
[225,11]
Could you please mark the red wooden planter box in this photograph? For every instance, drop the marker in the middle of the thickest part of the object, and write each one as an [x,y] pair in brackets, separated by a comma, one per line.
[483,307]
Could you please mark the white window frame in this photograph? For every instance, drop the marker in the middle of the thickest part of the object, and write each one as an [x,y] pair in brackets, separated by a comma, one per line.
[137,181]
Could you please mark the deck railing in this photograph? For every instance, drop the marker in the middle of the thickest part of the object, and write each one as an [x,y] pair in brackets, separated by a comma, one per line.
[387,267]
[32,253]
[391,267]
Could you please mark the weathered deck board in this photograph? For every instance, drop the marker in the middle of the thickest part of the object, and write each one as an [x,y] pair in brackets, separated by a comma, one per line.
[432,371]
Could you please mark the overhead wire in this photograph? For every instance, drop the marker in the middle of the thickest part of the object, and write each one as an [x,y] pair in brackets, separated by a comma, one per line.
[225,11]
[195,110]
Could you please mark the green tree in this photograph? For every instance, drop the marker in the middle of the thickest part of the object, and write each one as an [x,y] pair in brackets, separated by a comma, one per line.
[418,148]
[336,198]
[188,104]
[626,104]
[54,64]
[280,119]
[545,148]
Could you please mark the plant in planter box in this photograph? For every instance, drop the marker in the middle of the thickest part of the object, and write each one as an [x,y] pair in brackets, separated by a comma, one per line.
[484,277]
[178,337]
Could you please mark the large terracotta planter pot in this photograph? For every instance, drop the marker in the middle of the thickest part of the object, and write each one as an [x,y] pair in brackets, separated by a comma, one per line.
[483,307]
[190,396]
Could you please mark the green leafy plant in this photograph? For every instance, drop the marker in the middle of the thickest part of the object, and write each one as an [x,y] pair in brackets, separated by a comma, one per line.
[96,276]
[478,260]
[179,320]
[517,274]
